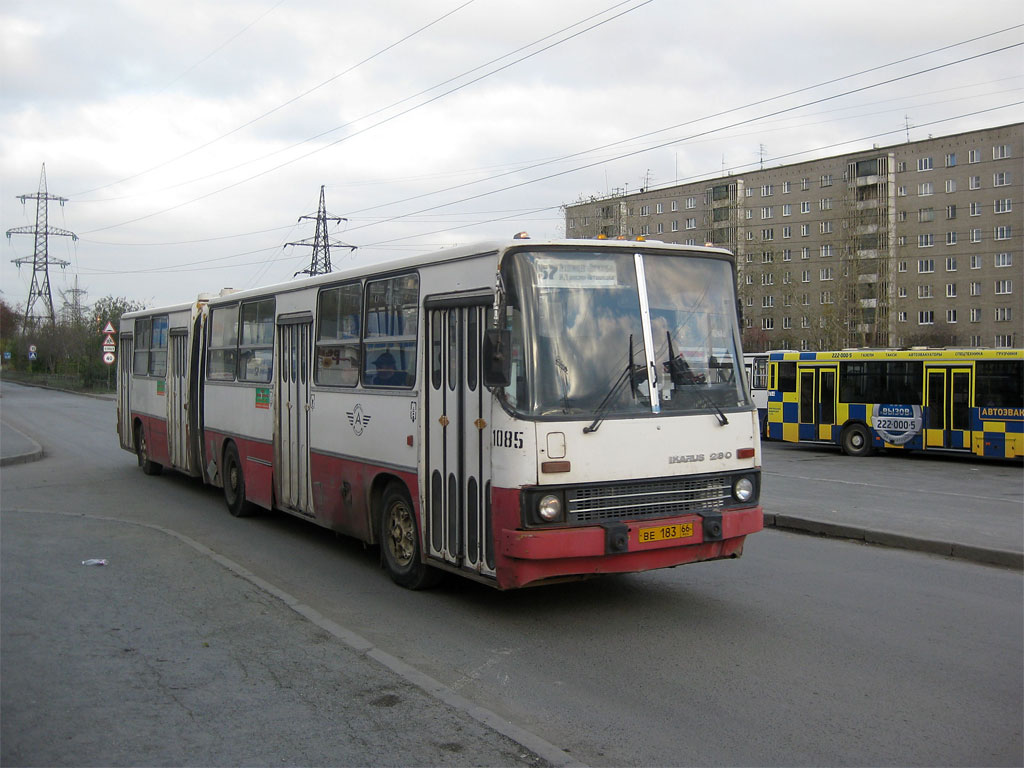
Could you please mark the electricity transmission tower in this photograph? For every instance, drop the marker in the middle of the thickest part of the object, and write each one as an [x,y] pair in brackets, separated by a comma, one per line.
[39,290]
[321,243]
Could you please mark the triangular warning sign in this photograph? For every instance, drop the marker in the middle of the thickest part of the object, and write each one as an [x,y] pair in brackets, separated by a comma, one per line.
[109,328]
[109,339]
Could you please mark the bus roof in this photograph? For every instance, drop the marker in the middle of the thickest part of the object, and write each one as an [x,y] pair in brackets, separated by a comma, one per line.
[456,253]
[972,353]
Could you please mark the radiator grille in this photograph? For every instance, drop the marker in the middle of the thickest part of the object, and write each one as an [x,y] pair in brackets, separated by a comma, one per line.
[653,498]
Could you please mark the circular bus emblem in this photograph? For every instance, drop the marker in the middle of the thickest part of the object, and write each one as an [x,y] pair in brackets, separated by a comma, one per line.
[896,424]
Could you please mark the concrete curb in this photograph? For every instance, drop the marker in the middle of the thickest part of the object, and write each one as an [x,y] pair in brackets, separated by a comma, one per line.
[976,554]
[34,453]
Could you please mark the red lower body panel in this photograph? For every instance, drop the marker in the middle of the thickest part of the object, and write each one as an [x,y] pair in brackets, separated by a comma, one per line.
[529,556]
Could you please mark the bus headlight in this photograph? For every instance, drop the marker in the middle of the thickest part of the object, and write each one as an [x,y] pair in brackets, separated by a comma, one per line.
[743,489]
[549,508]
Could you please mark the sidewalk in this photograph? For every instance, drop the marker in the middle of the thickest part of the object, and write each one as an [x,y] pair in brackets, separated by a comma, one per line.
[17,448]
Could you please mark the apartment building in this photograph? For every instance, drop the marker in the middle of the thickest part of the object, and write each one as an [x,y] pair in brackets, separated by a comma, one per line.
[917,243]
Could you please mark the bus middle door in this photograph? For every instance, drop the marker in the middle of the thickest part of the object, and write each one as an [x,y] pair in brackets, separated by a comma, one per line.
[177,399]
[457,473]
[291,429]
[817,400]
[948,397]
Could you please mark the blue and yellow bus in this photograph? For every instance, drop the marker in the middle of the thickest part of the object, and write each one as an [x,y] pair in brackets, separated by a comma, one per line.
[963,400]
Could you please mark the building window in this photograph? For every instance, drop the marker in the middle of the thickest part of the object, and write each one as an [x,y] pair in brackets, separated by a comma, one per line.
[805,206]
[951,238]
[925,265]
[766,190]
[973,156]
[1004,314]
[826,251]
[951,160]
[805,253]
[767,302]
[659,208]
[950,315]
[901,267]
[767,257]
[925,215]
[826,180]
[925,188]
[805,230]
[787,323]
[675,225]
[975,235]
[925,241]
[826,298]
[787,209]
[691,202]
[787,232]
[1001,152]
[1004,287]
[901,292]
[974,182]
[924,292]
[975,314]
[691,223]
[1004,340]
[1003,206]
[825,204]
[675,206]
[825,273]
[767,323]
[767,212]
[975,261]
[901,317]
[787,255]
[951,263]
[786,187]
[975,289]
[645,210]
[767,279]
[924,164]
[767,234]
[749,214]
[1003,233]
[1004,260]
[661,228]
[950,290]
[926,317]
[901,191]
[950,211]
[805,276]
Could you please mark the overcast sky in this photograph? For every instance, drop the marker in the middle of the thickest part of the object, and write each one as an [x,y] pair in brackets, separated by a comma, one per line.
[190,136]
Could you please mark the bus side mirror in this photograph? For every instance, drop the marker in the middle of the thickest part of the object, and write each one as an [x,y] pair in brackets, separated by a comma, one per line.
[497,362]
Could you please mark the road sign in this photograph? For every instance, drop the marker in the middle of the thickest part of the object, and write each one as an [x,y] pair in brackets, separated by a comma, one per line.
[108,328]
[108,358]
[32,349]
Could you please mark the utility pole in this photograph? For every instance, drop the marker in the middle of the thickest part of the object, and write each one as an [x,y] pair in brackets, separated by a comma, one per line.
[321,244]
[41,261]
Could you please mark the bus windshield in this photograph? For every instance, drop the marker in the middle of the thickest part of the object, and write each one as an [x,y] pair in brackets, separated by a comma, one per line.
[582,344]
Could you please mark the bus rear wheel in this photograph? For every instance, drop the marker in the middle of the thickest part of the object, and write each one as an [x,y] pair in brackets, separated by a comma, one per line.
[234,484]
[149,467]
[856,440]
[400,541]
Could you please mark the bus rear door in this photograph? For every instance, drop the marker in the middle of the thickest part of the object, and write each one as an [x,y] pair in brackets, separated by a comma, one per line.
[817,400]
[948,397]
[291,430]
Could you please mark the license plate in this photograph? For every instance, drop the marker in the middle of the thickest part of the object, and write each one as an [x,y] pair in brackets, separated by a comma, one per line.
[663,532]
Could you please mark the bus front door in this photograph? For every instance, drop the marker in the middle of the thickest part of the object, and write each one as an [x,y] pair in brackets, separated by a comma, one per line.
[291,430]
[817,400]
[177,400]
[948,397]
[457,488]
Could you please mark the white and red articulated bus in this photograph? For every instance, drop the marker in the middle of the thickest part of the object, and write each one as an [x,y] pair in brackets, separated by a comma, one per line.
[519,412]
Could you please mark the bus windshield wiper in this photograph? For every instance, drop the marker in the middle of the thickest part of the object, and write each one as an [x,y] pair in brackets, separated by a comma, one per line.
[680,373]
[630,375]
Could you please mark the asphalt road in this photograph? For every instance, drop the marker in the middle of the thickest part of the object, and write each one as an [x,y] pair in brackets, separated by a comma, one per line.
[807,651]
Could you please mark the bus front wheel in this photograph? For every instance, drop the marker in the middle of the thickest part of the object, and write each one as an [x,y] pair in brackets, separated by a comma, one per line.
[149,467]
[856,440]
[234,484]
[400,541]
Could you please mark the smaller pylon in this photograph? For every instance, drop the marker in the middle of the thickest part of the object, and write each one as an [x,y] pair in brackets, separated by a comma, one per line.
[321,243]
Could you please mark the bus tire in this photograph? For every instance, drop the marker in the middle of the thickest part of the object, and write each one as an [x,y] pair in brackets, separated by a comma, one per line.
[856,440]
[400,541]
[149,467]
[234,484]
